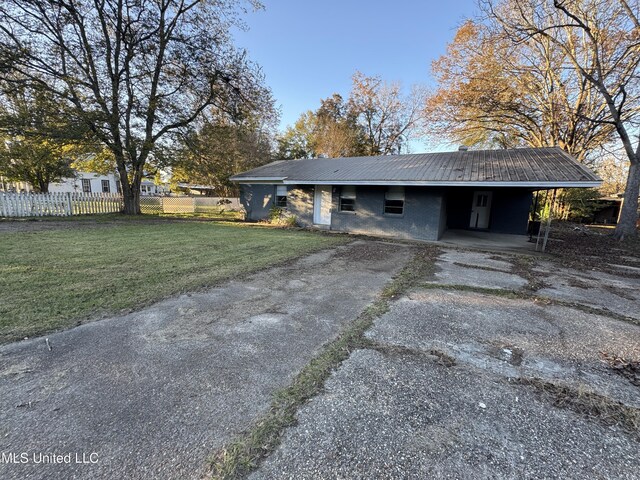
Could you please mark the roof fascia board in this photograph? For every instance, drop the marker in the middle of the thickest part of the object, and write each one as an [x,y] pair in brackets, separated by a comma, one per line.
[584,184]
[274,180]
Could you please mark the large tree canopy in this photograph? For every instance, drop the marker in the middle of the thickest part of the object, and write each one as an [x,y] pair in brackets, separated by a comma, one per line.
[38,142]
[495,93]
[133,71]
[598,43]
[376,119]
[225,145]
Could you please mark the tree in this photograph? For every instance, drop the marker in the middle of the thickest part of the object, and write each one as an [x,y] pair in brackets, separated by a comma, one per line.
[613,172]
[298,140]
[100,161]
[36,161]
[376,119]
[38,143]
[225,146]
[600,40]
[493,92]
[388,118]
[135,72]
[336,132]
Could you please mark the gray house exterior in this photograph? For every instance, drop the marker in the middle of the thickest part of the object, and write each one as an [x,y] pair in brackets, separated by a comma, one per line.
[415,196]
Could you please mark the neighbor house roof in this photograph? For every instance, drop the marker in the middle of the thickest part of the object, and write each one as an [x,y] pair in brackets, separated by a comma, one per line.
[525,167]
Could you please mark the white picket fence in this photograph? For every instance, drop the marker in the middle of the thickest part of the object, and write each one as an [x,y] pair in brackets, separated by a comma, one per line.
[58,204]
[67,204]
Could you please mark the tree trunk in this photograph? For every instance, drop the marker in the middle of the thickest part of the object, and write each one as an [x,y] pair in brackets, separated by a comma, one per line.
[629,214]
[130,192]
[131,201]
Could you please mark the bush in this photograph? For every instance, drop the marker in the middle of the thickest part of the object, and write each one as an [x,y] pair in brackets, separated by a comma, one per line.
[281,217]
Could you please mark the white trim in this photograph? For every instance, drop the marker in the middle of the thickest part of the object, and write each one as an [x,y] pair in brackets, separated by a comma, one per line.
[576,184]
[257,179]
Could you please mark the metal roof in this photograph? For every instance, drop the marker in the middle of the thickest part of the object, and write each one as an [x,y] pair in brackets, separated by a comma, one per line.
[530,167]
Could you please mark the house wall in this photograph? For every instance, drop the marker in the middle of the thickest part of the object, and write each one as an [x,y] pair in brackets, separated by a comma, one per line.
[150,188]
[420,221]
[257,200]
[300,204]
[70,185]
[509,209]
[428,212]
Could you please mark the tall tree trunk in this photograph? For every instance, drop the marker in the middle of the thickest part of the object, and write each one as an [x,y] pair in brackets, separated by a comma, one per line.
[131,202]
[629,214]
[130,191]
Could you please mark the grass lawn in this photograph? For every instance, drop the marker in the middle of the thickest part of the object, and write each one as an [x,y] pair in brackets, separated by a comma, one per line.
[57,277]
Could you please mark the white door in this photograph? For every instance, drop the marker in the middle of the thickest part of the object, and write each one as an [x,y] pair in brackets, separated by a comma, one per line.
[322,205]
[480,210]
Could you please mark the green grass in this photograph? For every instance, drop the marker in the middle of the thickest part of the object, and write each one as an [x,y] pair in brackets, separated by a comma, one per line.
[56,278]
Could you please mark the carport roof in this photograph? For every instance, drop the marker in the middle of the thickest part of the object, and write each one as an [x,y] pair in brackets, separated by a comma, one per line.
[524,167]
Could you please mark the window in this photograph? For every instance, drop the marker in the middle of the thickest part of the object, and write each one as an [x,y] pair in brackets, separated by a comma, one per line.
[106,188]
[281,196]
[348,199]
[482,201]
[394,201]
[86,185]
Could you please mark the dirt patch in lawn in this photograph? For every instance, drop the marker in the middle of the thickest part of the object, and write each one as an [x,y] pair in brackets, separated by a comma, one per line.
[585,248]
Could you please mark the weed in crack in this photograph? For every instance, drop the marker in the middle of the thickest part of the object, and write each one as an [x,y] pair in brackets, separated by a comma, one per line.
[588,403]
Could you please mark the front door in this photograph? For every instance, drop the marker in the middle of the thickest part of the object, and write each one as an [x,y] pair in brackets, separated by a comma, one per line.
[480,210]
[322,205]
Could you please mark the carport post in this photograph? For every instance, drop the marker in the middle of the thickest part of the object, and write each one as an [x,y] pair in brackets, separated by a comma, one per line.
[546,232]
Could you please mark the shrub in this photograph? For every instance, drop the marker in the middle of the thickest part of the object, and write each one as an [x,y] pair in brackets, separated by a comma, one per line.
[280,216]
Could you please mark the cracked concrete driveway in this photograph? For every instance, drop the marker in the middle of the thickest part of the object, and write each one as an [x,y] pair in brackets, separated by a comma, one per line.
[449,386]
[154,392]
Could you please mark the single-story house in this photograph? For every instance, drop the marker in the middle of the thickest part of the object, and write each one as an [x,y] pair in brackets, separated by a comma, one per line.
[416,196]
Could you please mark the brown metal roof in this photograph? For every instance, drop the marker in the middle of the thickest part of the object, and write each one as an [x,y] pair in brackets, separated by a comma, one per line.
[532,167]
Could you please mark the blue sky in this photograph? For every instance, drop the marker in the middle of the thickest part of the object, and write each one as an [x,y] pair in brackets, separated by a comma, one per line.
[309,50]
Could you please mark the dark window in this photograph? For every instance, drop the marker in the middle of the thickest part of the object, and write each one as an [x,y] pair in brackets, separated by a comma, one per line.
[482,200]
[394,201]
[348,199]
[106,188]
[86,185]
[281,196]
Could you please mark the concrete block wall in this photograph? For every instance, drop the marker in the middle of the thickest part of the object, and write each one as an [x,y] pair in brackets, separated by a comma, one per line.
[257,200]
[421,219]
[300,204]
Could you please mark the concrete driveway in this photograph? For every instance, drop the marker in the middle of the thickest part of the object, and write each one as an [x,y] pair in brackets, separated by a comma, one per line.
[153,393]
[474,375]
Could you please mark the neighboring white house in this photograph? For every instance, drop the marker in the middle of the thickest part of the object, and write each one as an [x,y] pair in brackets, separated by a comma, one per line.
[87,182]
[149,187]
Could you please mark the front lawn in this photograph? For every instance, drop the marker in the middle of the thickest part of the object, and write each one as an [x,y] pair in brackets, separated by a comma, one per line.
[55,278]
